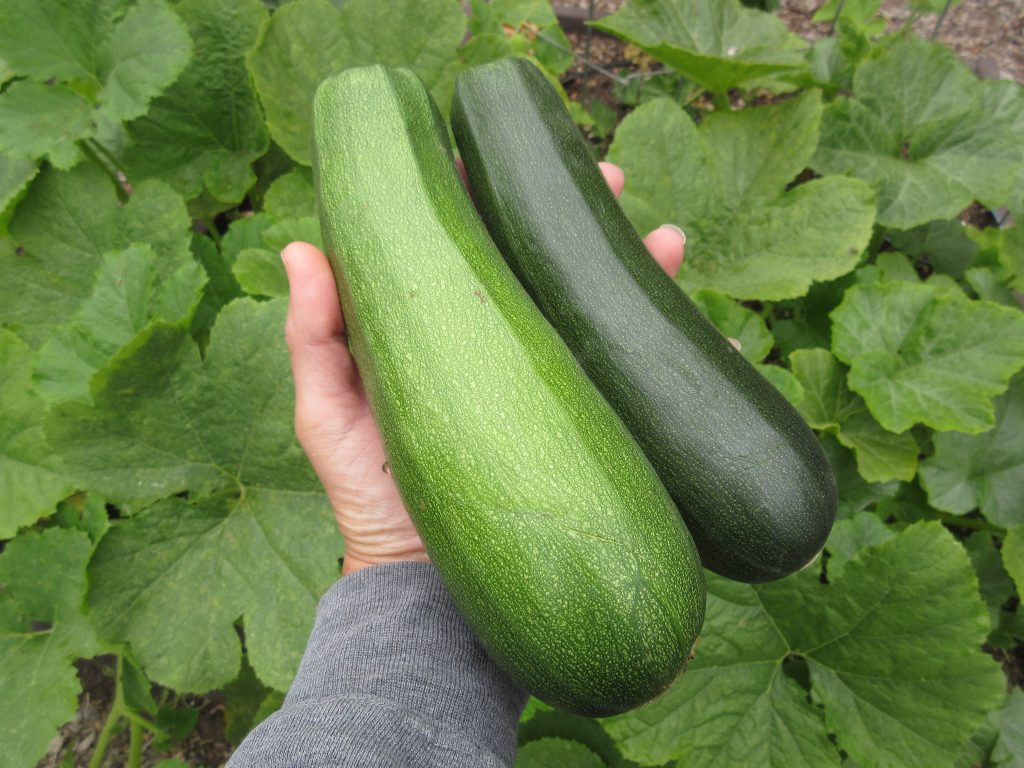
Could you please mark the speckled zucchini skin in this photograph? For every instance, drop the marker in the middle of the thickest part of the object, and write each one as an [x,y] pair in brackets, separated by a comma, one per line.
[551,529]
[749,476]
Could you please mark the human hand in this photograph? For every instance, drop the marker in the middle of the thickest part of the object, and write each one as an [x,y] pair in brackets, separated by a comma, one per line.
[332,415]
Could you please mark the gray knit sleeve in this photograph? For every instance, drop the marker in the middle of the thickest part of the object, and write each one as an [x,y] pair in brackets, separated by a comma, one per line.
[392,676]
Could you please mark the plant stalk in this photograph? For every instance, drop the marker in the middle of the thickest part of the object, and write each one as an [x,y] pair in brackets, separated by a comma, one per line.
[100,149]
[942,18]
[583,60]
[135,746]
[211,227]
[974,523]
[839,12]
[587,36]
[88,148]
[113,718]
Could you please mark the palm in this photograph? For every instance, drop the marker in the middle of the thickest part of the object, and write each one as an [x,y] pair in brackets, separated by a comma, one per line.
[332,415]
[365,484]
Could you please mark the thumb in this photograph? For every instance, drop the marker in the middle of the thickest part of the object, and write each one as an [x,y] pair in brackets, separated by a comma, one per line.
[322,366]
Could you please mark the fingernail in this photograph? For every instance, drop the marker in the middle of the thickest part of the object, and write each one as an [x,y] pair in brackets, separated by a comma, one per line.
[735,343]
[675,229]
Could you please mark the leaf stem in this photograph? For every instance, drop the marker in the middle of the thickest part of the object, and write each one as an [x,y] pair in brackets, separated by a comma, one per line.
[974,523]
[135,746]
[587,37]
[721,101]
[583,60]
[113,718]
[88,149]
[839,12]
[942,18]
[211,227]
[100,149]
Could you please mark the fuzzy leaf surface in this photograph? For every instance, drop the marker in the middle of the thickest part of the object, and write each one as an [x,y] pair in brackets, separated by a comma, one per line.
[1013,555]
[828,405]
[916,130]
[254,538]
[128,295]
[30,486]
[42,631]
[543,753]
[1008,751]
[63,227]
[206,130]
[984,471]
[919,353]
[900,676]
[86,64]
[725,184]
[718,43]
[736,322]
[419,34]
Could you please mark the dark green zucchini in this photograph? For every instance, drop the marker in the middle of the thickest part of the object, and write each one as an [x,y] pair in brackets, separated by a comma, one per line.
[559,544]
[748,475]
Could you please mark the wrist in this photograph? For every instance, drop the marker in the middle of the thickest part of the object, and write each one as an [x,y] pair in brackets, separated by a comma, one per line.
[356,561]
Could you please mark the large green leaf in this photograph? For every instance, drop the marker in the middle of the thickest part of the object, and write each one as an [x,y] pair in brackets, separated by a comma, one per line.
[828,405]
[1003,102]
[916,130]
[29,485]
[983,471]
[897,675]
[42,631]
[62,228]
[725,184]
[128,295]
[37,120]
[855,493]
[530,28]
[208,128]
[544,753]
[717,43]
[309,40]
[1008,751]
[943,244]
[255,536]
[919,353]
[15,176]
[850,535]
[87,64]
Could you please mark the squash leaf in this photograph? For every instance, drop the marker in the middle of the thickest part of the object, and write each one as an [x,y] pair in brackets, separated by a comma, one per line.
[725,184]
[254,538]
[308,40]
[898,676]
[924,354]
[915,129]
[88,65]
[42,631]
[718,43]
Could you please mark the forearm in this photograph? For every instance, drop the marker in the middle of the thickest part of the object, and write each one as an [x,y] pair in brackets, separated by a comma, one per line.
[391,675]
